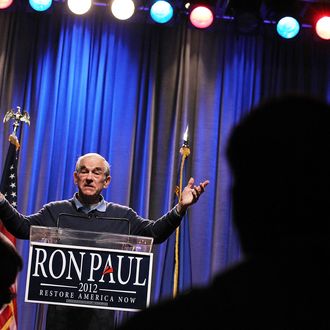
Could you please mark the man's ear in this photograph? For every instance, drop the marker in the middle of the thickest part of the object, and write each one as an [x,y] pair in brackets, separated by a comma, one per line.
[75,177]
[107,182]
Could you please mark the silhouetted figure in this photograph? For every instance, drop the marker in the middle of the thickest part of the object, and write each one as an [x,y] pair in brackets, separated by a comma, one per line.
[280,159]
[11,264]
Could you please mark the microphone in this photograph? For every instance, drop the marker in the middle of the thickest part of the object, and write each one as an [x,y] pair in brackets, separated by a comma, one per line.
[94,222]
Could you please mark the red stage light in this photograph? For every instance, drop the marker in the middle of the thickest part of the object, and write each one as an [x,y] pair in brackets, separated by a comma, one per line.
[5,3]
[323,27]
[201,16]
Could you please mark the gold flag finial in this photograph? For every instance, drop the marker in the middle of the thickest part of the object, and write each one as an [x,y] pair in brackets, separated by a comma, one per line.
[185,150]
[18,117]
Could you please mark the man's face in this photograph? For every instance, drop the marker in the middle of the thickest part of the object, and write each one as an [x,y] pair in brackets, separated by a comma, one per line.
[91,179]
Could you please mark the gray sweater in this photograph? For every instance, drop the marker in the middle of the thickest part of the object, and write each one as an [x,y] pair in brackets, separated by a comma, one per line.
[19,224]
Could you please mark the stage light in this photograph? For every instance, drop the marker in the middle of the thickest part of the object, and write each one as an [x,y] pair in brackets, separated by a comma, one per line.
[201,16]
[5,3]
[247,22]
[323,27]
[246,14]
[40,5]
[79,7]
[122,9]
[287,27]
[161,11]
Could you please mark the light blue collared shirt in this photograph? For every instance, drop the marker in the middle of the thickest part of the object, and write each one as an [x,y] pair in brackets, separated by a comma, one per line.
[100,206]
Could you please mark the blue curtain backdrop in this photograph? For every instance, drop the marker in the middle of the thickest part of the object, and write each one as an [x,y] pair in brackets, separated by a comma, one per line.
[128,91]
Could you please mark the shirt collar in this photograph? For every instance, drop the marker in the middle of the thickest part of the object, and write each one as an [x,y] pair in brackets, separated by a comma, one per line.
[100,206]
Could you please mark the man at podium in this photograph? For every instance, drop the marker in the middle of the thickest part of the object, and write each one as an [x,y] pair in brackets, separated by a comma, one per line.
[92,175]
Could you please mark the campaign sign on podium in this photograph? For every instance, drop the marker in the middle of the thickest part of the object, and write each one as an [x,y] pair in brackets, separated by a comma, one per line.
[89,269]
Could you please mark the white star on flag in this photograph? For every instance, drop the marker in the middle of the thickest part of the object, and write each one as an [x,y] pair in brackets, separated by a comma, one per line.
[8,187]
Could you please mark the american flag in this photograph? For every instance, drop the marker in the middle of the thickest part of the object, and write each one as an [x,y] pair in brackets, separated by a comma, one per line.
[8,186]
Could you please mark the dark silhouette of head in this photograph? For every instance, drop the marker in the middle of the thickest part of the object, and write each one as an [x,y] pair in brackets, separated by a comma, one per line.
[280,158]
[11,263]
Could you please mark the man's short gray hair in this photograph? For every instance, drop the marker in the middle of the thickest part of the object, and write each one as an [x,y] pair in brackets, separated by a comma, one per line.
[94,154]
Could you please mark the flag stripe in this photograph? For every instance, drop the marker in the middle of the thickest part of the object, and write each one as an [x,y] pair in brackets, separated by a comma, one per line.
[7,317]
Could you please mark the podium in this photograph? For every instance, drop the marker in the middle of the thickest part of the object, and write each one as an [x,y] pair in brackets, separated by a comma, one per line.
[89,269]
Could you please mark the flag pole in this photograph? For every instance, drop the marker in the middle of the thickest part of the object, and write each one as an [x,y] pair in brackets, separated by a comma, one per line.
[8,186]
[184,152]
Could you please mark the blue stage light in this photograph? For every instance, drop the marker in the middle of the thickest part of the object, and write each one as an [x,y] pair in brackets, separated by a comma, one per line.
[40,5]
[161,11]
[288,27]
